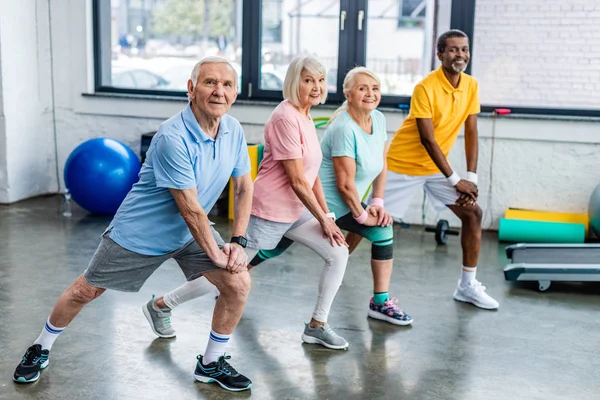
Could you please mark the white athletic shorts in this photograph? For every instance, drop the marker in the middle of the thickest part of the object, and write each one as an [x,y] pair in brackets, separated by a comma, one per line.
[400,189]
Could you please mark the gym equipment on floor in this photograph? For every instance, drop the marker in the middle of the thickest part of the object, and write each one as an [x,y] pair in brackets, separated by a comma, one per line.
[99,173]
[594,211]
[442,229]
[523,231]
[548,216]
[545,263]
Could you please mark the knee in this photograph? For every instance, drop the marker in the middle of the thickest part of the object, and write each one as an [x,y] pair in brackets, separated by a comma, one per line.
[237,285]
[382,245]
[472,216]
[82,292]
[338,257]
[382,253]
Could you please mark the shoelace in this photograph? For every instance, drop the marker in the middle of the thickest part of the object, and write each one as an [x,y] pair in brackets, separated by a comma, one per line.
[330,331]
[223,365]
[393,304]
[477,286]
[30,357]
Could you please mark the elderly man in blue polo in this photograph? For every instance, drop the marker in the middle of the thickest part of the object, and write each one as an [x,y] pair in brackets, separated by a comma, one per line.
[164,216]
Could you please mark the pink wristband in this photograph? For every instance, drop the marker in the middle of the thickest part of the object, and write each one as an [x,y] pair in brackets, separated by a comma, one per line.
[377,201]
[362,218]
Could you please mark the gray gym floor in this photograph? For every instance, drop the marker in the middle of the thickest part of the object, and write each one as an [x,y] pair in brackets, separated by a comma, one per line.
[536,346]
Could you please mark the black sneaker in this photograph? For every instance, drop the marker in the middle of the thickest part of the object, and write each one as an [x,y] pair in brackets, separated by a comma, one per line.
[34,360]
[221,372]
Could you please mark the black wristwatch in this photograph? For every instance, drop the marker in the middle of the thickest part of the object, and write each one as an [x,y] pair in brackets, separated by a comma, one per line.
[239,240]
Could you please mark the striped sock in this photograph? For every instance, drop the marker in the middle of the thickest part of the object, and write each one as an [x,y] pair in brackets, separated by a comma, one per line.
[217,342]
[48,335]
[467,275]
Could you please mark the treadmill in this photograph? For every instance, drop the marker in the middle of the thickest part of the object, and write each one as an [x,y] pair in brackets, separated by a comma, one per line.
[553,262]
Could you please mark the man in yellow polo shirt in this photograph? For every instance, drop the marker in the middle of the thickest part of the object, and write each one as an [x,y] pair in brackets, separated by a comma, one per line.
[441,104]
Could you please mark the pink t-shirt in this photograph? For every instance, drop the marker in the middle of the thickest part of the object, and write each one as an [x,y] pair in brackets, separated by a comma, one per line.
[288,135]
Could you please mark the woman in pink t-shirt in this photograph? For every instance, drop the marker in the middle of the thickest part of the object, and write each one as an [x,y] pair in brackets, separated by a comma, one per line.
[288,197]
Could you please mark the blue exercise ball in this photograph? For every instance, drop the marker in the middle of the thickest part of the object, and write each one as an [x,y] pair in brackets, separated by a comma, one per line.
[99,173]
[594,211]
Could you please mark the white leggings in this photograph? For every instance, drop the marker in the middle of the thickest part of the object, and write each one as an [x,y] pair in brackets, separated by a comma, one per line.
[308,234]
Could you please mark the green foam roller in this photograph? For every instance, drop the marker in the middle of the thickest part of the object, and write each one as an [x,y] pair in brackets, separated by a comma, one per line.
[514,230]
[261,152]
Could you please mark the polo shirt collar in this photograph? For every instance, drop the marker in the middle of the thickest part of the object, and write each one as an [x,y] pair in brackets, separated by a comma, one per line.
[446,84]
[192,125]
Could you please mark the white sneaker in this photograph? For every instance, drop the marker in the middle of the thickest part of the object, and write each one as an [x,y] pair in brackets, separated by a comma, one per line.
[475,293]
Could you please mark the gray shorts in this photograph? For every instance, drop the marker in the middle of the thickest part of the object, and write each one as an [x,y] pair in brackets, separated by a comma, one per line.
[114,267]
[263,234]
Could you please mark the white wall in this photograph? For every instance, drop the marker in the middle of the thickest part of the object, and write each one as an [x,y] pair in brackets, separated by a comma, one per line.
[547,164]
[516,40]
[27,160]
[3,164]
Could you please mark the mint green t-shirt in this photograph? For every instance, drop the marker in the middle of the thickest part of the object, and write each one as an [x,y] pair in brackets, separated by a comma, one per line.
[345,138]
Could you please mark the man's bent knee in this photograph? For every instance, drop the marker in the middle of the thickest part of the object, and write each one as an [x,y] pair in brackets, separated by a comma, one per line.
[471,215]
[237,285]
[82,292]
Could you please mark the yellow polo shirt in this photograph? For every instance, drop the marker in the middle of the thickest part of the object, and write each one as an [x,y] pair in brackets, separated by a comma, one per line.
[448,107]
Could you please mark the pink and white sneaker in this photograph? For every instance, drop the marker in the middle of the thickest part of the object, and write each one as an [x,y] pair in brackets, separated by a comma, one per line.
[389,312]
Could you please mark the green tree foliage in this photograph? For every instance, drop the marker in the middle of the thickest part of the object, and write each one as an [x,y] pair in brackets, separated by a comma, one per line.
[186,17]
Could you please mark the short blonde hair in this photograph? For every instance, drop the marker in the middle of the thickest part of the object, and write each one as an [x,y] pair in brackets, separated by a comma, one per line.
[212,60]
[349,84]
[293,76]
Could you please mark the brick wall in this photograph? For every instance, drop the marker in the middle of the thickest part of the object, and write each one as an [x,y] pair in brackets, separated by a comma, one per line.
[538,53]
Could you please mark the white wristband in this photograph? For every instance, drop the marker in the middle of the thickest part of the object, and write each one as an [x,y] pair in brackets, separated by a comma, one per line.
[330,215]
[453,179]
[472,177]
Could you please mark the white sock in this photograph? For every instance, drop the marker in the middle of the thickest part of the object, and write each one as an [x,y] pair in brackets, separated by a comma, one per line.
[48,335]
[217,342]
[188,291]
[467,275]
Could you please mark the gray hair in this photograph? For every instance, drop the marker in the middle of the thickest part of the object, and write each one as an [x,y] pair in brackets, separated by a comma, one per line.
[293,76]
[453,33]
[349,84]
[212,60]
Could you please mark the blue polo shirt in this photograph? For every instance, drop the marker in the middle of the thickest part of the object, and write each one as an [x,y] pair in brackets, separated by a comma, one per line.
[181,156]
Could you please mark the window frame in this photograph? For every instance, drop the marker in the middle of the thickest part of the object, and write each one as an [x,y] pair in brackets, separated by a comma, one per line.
[351,51]
[348,55]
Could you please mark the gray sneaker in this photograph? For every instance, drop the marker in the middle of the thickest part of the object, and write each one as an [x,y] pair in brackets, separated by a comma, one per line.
[160,320]
[324,336]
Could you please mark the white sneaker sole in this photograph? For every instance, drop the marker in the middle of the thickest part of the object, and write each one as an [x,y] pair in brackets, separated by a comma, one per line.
[381,317]
[314,340]
[206,379]
[149,318]
[463,299]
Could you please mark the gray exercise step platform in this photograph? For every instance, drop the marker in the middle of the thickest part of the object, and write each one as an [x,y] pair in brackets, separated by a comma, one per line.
[553,262]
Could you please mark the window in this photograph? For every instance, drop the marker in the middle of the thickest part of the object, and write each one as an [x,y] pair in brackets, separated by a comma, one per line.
[150,46]
[305,25]
[271,21]
[538,63]
[411,13]
[401,41]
